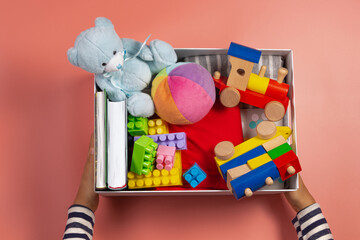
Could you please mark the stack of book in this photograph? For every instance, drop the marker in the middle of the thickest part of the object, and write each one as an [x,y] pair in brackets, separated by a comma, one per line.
[111,143]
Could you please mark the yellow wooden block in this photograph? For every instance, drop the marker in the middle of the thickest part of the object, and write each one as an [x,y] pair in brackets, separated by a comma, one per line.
[258,161]
[158,178]
[157,126]
[258,84]
[253,143]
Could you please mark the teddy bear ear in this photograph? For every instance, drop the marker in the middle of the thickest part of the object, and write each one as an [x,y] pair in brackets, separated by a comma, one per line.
[72,56]
[103,22]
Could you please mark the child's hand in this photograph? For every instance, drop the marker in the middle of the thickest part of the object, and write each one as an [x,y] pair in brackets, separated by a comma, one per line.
[86,195]
[300,198]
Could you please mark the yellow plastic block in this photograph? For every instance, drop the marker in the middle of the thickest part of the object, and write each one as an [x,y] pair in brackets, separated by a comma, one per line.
[258,84]
[258,161]
[158,126]
[158,178]
[253,143]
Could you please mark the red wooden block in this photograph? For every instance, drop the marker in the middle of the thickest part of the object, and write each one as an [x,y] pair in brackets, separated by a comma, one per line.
[250,97]
[277,90]
[285,161]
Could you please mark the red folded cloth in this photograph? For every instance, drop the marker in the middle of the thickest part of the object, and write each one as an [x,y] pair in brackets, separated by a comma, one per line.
[220,124]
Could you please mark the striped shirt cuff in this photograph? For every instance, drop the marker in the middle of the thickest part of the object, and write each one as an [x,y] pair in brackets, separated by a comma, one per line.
[80,223]
[311,224]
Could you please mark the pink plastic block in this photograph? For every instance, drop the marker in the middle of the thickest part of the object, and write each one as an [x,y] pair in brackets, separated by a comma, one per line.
[165,157]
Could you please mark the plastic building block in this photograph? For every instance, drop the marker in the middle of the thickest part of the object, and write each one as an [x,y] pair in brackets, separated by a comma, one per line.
[258,161]
[177,140]
[158,178]
[137,126]
[275,142]
[280,150]
[165,157]
[157,126]
[288,165]
[235,173]
[253,143]
[253,180]
[240,160]
[258,84]
[143,157]
[195,175]
[243,52]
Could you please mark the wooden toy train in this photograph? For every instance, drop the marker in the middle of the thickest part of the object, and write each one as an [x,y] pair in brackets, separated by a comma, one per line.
[264,158]
[253,89]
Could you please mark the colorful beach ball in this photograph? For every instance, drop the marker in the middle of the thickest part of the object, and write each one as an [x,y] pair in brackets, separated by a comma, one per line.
[183,93]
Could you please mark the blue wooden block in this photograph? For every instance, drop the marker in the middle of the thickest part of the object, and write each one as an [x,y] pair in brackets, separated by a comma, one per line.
[242,159]
[246,53]
[195,175]
[254,179]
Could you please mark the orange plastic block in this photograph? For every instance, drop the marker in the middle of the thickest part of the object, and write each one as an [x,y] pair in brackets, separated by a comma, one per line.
[158,178]
[157,126]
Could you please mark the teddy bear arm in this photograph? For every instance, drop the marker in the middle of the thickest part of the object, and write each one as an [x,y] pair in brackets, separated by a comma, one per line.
[132,47]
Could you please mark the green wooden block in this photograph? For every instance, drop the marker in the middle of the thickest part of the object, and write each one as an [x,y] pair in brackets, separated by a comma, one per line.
[137,126]
[143,158]
[280,150]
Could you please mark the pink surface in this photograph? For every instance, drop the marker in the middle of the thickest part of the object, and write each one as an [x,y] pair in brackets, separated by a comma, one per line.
[46,118]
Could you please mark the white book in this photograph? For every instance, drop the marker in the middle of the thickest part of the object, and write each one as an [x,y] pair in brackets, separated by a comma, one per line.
[117,145]
[100,140]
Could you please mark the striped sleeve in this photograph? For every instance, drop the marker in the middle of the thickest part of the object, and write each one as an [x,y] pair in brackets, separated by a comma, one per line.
[310,224]
[80,223]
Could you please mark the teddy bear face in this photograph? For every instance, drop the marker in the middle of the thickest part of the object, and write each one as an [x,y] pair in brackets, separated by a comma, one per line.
[98,49]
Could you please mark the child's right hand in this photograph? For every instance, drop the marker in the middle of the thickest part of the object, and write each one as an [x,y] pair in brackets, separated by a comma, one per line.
[300,198]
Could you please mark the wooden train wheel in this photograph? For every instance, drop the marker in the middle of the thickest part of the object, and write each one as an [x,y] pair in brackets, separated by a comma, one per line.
[274,111]
[224,150]
[230,97]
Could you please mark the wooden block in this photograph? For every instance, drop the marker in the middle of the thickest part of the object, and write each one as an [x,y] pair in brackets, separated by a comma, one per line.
[224,150]
[240,73]
[274,111]
[266,129]
[259,100]
[288,165]
[277,90]
[241,160]
[235,173]
[280,150]
[275,142]
[254,179]
[230,97]
[259,161]
[253,143]
[243,52]
[258,84]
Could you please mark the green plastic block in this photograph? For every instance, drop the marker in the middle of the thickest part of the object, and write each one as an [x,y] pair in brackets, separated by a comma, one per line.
[143,158]
[137,126]
[280,150]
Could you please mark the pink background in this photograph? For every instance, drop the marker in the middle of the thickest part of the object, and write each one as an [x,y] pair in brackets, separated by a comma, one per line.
[46,107]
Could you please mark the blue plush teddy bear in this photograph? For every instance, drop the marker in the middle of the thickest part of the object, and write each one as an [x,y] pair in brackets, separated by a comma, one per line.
[123,67]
